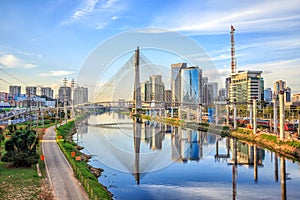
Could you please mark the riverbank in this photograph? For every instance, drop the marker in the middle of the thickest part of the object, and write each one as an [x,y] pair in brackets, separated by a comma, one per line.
[289,148]
[85,173]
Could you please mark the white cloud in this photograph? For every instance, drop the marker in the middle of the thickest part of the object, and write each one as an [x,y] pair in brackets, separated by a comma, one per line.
[114,17]
[276,70]
[56,73]
[86,8]
[11,61]
[29,66]
[100,26]
[96,13]
[216,17]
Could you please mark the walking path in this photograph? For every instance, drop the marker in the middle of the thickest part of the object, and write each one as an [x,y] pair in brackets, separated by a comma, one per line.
[59,172]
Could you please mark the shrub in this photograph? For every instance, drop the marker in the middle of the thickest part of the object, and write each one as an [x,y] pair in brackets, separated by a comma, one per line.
[21,149]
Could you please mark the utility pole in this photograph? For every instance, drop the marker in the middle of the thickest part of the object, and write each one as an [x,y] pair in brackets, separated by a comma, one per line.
[251,113]
[216,114]
[254,115]
[65,81]
[298,123]
[56,118]
[281,113]
[234,115]
[275,114]
[72,90]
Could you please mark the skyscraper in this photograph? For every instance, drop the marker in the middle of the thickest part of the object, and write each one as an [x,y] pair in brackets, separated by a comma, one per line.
[245,85]
[213,91]
[210,94]
[31,90]
[227,85]
[205,90]
[80,95]
[268,95]
[280,85]
[168,98]
[222,94]
[14,90]
[288,94]
[176,81]
[146,92]
[47,91]
[190,85]
[61,94]
[157,88]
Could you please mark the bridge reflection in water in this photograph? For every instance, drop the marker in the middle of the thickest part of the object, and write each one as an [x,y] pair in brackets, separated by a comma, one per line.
[155,146]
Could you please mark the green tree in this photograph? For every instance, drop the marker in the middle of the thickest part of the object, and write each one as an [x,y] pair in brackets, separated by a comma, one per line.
[21,149]
[1,136]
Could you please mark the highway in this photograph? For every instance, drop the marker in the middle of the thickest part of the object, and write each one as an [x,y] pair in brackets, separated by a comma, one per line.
[59,172]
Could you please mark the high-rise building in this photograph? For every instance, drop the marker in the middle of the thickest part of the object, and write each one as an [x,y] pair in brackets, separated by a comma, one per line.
[288,94]
[157,88]
[205,90]
[214,91]
[47,91]
[30,90]
[80,95]
[146,92]
[64,91]
[191,79]
[245,85]
[14,90]
[280,85]
[210,94]
[268,95]
[168,98]
[227,85]
[176,81]
[222,94]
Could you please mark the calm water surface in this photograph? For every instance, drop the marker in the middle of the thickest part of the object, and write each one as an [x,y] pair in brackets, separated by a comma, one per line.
[150,160]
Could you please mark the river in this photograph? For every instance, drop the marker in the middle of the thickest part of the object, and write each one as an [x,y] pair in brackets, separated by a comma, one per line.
[150,160]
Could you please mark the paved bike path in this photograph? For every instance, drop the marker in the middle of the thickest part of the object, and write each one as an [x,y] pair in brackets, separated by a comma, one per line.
[59,172]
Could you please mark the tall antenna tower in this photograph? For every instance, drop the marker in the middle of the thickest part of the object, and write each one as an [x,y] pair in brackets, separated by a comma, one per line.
[233,61]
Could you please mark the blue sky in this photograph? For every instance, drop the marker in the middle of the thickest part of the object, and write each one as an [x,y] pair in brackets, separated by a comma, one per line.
[43,41]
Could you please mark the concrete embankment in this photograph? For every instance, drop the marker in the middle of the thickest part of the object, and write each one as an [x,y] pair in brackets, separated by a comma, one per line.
[289,148]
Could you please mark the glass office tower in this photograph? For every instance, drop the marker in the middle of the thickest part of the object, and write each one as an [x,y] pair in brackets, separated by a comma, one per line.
[190,85]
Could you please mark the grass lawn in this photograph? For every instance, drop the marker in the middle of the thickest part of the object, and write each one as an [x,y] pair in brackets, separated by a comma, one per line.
[19,183]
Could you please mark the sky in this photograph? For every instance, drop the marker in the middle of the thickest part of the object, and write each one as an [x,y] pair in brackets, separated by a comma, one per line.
[44,41]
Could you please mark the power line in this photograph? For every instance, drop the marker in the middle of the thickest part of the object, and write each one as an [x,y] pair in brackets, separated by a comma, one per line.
[14,77]
[5,81]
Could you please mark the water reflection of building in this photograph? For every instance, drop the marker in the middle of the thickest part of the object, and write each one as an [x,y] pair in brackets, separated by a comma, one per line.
[153,133]
[82,126]
[246,154]
[187,144]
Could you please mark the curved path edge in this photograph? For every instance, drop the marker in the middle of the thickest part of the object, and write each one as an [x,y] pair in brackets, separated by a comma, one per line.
[59,172]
